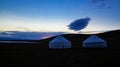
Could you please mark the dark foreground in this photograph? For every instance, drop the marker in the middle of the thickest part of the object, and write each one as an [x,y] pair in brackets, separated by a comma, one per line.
[74,57]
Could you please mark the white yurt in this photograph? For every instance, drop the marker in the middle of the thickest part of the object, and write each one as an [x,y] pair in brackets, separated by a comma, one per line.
[59,42]
[94,41]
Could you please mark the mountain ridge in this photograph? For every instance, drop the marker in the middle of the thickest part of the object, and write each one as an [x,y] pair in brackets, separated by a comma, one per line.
[111,37]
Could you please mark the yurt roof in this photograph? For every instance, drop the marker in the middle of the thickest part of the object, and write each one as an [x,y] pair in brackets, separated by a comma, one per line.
[93,38]
[59,39]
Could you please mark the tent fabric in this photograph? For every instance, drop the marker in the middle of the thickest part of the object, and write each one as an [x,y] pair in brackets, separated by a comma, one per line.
[60,42]
[94,41]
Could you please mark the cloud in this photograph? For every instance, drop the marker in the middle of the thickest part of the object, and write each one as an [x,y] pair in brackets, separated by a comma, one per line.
[79,24]
[23,28]
[101,4]
[95,1]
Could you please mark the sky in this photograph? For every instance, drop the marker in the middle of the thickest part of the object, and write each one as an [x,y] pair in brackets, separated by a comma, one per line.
[55,15]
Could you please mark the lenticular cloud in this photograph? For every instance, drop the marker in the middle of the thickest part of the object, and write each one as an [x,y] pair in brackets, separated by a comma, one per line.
[79,24]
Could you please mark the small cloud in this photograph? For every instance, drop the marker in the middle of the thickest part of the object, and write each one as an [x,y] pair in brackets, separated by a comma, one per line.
[6,34]
[109,7]
[9,32]
[90,32]
[23,28]
[79,24]
[101,4]
[95,1]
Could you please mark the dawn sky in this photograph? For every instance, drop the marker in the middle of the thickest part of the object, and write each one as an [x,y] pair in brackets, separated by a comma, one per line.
[55,15]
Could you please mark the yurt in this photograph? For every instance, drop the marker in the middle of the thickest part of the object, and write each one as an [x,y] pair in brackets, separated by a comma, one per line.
[60,42]
[94,41]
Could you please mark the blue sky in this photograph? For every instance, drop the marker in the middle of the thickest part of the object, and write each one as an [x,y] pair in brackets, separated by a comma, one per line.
[55,15]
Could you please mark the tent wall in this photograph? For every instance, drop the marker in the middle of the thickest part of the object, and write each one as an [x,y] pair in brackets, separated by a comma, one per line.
[94,44]
[60,45]
[67,45]
[55,45]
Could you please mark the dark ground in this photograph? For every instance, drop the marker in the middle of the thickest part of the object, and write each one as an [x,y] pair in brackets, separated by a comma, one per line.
[39,55]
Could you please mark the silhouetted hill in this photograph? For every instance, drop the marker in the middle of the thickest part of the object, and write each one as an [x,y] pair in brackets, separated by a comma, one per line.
[111,37]
[36,55]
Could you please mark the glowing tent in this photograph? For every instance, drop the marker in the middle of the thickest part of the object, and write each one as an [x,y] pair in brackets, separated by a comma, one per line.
[94,41]
[60,42]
